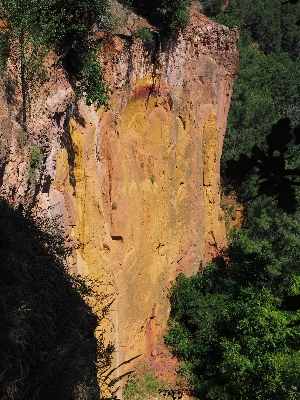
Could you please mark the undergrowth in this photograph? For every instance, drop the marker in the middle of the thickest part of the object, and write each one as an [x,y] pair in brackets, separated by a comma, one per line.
[142,384]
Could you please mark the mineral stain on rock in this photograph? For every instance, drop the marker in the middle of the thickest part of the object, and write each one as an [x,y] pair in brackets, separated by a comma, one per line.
[173,126]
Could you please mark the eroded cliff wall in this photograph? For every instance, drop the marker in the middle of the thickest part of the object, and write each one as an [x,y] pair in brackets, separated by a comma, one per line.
[137,185]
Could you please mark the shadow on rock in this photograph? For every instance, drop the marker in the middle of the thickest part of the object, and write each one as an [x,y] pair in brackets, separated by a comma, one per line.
[47,343]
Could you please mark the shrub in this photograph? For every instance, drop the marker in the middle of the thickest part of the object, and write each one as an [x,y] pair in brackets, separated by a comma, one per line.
[36,156]
[234,336]
[168,15]
[31,174]
[88,78]
[141,384]
[144,34]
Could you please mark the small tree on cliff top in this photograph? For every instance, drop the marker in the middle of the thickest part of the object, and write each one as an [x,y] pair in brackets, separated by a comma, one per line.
[27,28]
[34,26]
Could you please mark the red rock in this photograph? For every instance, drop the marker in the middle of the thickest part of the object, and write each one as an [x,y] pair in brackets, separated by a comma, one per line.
[147,171]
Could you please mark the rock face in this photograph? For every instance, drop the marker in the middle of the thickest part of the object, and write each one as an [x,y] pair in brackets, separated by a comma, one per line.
[137,185]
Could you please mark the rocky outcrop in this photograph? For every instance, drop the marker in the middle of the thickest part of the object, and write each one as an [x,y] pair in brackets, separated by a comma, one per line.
[137,185]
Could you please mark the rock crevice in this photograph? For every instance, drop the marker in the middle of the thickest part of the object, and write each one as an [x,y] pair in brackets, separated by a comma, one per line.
[137,185]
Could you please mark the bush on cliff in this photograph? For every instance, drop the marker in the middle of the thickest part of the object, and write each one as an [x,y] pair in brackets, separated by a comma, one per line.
[47,343]
[169,15]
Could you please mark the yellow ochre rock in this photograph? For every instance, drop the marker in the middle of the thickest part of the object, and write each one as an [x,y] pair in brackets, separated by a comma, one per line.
[138,185]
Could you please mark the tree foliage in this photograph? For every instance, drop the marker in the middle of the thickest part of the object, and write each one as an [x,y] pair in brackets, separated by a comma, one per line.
[268,83]
[231,330]
[33,27]
[271,23]
[168,15]
[145,35]
[266,88]
[86,76]
[266,91]
[274,172]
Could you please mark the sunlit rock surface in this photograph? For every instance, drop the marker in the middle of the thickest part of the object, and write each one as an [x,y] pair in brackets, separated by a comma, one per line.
[138,185]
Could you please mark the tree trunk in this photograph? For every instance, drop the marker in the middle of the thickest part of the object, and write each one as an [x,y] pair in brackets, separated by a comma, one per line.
[23,81]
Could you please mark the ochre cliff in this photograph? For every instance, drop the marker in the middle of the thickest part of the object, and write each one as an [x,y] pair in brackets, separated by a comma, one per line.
[137,185]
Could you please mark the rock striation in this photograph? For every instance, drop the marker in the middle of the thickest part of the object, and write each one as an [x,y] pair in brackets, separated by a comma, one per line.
[137,185]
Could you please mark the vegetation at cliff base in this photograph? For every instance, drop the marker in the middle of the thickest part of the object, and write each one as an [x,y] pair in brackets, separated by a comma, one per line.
[234,334]
[141,384]
[235,326]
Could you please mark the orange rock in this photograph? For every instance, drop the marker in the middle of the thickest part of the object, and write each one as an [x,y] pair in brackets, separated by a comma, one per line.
[137,185]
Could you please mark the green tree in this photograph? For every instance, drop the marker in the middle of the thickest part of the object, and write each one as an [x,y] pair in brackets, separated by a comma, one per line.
[33,27]
[233,334]
[268,83]
[266,87]
[274,172]
[271,23]
[26,28]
